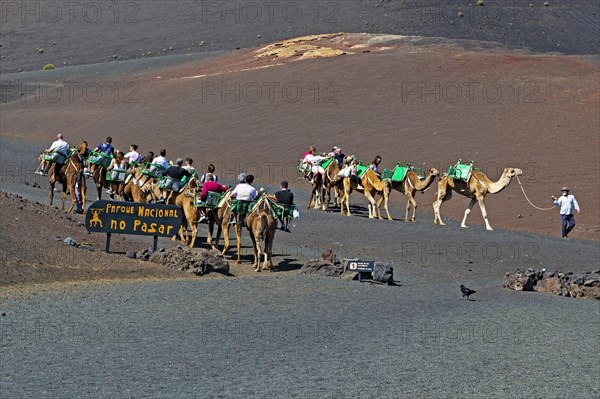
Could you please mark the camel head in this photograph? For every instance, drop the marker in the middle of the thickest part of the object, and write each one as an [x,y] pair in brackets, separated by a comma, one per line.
[434,172]
[82,148]
[512,172]
[348,159]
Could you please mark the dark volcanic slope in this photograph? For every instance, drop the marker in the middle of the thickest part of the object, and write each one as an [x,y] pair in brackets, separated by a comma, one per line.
[91,32]
[410,103]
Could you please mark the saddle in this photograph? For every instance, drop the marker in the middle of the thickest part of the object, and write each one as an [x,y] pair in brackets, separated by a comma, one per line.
[55,157]
[461,171]
[100,159]
[213,200]
[170,184]
[116,175]
[152,170]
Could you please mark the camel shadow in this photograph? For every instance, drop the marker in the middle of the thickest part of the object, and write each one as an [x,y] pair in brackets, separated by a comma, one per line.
[287,264]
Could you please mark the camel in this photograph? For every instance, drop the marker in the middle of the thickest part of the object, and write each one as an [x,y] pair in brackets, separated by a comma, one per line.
[221,217]
[186,200]
[409,186]
[476,188]
[372,185]
[262,226]
[316,192]
[99,176]
[69,174]
[332,180]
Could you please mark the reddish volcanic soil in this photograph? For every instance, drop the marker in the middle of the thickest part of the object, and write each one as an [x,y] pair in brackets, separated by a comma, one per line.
[401,98]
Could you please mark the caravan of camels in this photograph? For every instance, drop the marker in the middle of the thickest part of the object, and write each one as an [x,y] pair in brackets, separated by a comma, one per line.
[131,177]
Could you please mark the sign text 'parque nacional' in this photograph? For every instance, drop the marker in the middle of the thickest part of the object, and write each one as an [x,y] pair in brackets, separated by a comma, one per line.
[133,218]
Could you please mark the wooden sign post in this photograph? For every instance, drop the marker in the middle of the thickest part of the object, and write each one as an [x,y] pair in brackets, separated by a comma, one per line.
[155,220]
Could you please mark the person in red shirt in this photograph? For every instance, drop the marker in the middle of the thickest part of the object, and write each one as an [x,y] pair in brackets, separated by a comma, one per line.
[209,185]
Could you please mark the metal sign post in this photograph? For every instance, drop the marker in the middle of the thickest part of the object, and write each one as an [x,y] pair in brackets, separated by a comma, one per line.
[360,267]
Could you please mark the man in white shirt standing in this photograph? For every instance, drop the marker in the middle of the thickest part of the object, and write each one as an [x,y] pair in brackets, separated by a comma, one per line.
[60,146]
[567,202]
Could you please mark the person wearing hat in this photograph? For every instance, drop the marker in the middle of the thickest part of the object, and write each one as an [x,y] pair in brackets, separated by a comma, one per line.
[567,202]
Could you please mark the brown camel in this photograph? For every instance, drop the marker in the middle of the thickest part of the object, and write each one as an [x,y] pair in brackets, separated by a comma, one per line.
[372,185]
[69,174]
[409,186]
[221,217]
[316,192]
[191,214]
[262,226]
[333,181]
[99,176]
[476,188]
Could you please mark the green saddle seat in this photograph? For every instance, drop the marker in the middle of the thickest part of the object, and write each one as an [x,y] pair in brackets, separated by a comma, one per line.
[461,171]
[241,207]
[100,159]
[170,184]
[326,163]
[213,200]
[152,170]
[116,175]
[361,170]
[55,157]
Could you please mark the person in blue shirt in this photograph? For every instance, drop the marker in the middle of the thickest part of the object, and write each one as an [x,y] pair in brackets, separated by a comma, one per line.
[106,147]
[567,202]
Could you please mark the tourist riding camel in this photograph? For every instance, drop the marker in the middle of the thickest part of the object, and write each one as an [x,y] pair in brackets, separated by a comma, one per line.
[262,227]
[61,150]
[69,174]
[476,188]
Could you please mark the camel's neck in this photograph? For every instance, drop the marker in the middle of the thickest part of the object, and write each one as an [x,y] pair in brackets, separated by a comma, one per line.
[501,184]
[422,185]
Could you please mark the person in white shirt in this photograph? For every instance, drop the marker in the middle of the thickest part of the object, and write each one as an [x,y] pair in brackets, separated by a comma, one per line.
[60,146]
[188,166]
[315,161]
[133,156]
[161,161]
[567,202]
[242,192]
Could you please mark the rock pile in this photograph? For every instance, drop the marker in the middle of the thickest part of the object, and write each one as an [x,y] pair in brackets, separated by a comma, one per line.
[197,261]
[382,272]
[586,285]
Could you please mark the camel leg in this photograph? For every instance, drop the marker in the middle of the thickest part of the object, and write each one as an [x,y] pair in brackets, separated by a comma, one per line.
[379,201]
[310,199]
[73,197]
[82,192]
[51,192]
[386,199]
[484,213]
[64,197]
[257,252]
[443,194]
[238,236]
[467,211]
[373,206]
[194,234]
[225,237]
[413,203]
[269,251]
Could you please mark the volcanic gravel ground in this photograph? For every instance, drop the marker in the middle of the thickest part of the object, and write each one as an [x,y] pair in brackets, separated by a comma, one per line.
[298,337]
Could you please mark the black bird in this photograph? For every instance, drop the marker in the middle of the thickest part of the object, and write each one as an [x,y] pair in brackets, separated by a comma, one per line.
[466,291]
